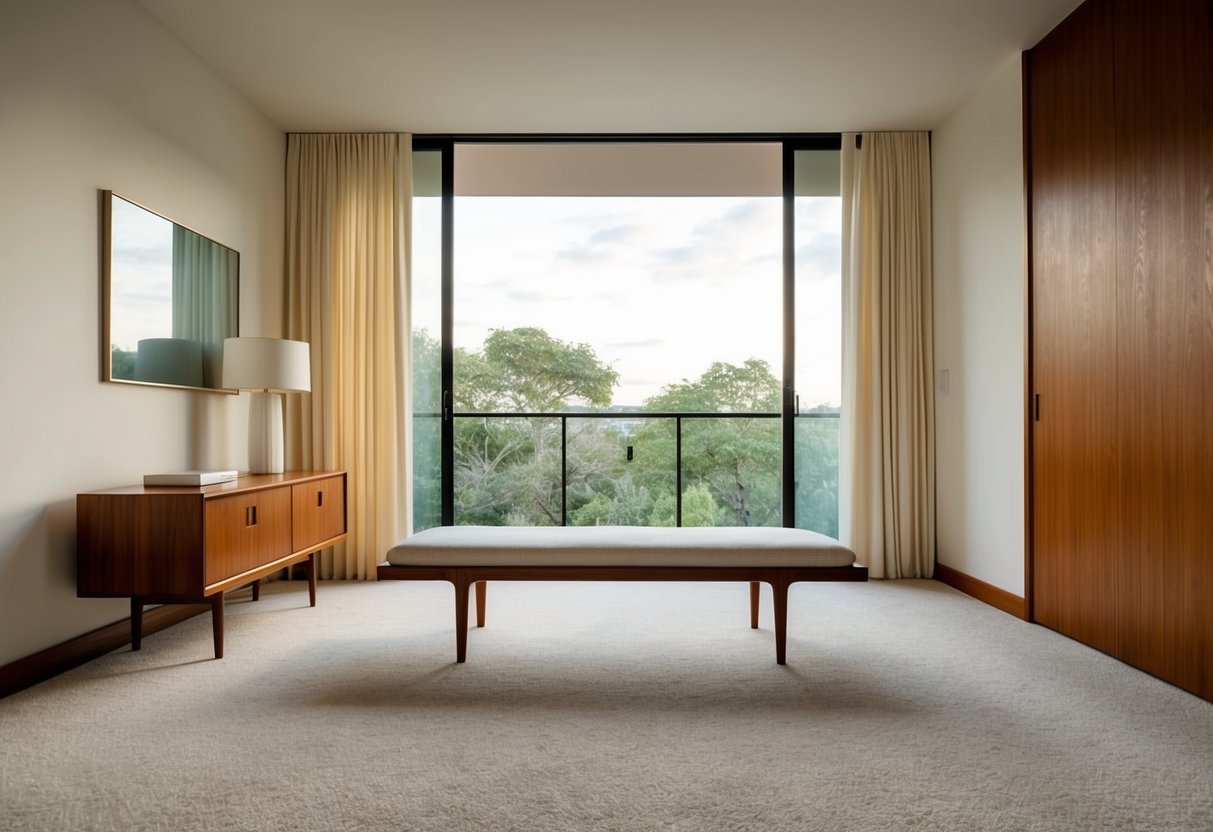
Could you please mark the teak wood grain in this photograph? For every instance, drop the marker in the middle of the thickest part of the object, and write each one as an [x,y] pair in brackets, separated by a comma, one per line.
[462,578]
[1164,233]
[244,531]
[190,545]
[151,545]
[317,510]
[1073,171]
[1120,107]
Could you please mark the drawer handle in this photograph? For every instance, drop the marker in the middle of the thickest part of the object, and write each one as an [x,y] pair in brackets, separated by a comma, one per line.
[250,516]
[319,499]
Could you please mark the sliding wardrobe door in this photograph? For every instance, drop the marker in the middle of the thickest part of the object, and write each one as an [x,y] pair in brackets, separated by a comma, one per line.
[1073,221]
[1164,229]
[1120,126]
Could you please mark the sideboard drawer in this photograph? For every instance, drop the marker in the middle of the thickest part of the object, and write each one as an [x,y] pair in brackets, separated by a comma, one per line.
[245,531]
[318,511]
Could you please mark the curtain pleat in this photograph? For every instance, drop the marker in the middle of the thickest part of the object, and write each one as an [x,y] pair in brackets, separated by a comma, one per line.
[205,297]
[887,452]
[347,288]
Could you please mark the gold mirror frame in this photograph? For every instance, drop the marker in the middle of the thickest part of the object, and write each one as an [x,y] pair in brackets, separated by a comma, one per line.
[212,346]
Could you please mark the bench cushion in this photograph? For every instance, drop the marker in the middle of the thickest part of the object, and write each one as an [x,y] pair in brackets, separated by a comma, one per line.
[618,546]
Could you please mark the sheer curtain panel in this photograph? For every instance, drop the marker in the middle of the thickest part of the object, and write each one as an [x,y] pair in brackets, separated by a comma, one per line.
[887,453]
[348,205]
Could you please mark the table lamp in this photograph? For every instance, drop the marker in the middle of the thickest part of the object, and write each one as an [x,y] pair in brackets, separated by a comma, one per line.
[266,367]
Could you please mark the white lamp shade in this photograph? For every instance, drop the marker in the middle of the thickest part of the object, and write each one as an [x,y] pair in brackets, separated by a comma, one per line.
[266,364]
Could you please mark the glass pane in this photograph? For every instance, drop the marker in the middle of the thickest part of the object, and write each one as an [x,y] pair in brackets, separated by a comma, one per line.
[427,332]
[817,473]
[818,230]
[507,471]
[607,485]
[731,472]
[604,302]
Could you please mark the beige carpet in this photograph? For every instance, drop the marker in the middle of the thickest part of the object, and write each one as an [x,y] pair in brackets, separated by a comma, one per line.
[607,707]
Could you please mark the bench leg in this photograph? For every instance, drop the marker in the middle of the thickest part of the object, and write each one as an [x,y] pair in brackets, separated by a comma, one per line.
[461,619]
[136,623]
[481,588]
[779,589]
[754,585]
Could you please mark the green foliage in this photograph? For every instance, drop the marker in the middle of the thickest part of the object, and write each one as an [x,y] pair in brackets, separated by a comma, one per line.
[699,508]
[724,388]
[736,460]
[528,370]
[508,470]
[122,362]
[817,474]
[427,431]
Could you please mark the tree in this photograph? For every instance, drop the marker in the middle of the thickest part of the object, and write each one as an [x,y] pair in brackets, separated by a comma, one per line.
[817,473]
[699,508]
[736,459]
[526,369]
[122,362]
[510,468]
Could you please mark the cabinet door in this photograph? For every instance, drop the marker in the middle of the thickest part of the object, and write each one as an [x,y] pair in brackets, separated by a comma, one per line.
[318,511]
[1075,536]
[245,531]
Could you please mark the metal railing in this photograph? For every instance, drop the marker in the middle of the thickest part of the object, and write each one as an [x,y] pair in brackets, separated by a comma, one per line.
[630,416]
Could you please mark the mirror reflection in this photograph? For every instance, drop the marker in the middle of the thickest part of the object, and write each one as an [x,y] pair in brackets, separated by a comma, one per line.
[172,297]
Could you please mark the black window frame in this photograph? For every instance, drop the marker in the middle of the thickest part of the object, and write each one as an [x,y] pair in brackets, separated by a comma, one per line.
[444,143]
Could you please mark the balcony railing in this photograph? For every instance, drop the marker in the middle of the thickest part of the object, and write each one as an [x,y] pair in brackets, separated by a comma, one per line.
[639,468]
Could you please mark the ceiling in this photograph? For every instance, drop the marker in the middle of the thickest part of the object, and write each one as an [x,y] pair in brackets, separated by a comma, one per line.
[611,66]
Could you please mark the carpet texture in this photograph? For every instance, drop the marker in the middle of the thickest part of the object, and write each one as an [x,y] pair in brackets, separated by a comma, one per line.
[904,705]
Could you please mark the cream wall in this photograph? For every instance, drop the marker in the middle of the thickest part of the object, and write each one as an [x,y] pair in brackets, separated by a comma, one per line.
[977,159]
[96,94]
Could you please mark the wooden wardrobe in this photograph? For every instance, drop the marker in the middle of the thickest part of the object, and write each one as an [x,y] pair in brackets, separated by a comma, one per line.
[1118,107]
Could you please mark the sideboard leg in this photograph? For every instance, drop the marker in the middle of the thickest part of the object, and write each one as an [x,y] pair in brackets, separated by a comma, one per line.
[136,623]
[257,590]
[217,622]
[311,579]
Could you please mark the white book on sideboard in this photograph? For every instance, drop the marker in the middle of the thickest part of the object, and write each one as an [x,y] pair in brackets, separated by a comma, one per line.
[198,478]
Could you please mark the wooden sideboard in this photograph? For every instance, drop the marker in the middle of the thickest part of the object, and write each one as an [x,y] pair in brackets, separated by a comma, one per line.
[181,545]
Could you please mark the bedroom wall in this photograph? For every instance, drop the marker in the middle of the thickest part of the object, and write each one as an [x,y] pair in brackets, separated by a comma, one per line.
[977,159]
[96,94]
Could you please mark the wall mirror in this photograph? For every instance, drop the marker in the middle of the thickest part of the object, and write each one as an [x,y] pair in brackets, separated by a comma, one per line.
[170,297]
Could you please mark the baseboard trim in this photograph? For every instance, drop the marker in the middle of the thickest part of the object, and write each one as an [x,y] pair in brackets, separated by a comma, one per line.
[1008,602]
[52,661]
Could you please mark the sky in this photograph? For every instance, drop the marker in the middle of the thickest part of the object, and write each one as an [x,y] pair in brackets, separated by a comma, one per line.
[660,287]
[141,275]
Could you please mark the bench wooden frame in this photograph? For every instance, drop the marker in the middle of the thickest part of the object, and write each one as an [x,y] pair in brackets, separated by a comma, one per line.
[463,577]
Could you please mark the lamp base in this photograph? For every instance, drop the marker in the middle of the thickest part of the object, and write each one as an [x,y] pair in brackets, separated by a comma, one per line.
[265,442]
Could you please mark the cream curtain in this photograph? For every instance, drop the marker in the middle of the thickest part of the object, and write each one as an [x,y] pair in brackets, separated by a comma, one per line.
[348,202]
[887,453]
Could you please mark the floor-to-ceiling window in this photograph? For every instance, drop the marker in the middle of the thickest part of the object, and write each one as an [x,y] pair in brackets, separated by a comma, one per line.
[615,334]
[818,376]
[426,313]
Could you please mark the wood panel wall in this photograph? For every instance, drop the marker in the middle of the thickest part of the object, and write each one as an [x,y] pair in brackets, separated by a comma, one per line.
[1119,121]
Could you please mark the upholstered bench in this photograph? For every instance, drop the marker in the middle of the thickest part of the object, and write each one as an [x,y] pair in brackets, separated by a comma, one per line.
[467,555]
